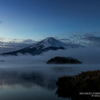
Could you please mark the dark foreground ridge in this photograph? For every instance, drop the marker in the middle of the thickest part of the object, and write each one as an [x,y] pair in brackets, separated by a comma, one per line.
[63,60]
[84,85]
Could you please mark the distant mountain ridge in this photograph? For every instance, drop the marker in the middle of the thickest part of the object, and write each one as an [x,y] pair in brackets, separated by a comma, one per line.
[49,43]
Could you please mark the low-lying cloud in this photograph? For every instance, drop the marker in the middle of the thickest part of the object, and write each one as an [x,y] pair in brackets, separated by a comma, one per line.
[28,70]
[88,55]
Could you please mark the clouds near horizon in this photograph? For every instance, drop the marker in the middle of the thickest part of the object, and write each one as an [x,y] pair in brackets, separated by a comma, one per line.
[76,40]
[8,45]
[83,38]
[1,22]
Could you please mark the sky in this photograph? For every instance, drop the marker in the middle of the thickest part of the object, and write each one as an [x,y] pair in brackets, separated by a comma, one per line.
[38,19]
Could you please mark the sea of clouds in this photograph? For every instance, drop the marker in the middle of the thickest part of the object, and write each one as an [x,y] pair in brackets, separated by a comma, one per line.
[88,55]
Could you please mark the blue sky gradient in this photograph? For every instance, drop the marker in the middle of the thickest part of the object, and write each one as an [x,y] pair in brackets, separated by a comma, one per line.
[38,19]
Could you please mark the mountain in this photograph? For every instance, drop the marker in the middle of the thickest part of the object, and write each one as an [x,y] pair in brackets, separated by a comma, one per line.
[49,43]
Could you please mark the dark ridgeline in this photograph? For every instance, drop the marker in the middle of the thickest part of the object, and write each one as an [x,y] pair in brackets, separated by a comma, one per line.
[84,86]
[63,60]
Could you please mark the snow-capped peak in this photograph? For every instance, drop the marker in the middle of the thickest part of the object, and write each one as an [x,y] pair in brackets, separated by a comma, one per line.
[48,42]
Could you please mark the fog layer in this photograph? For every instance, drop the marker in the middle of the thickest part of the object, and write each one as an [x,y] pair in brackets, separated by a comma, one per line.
[88,55]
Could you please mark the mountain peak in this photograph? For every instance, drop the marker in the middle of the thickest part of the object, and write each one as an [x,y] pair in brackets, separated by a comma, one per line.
[49,38]
[49,42]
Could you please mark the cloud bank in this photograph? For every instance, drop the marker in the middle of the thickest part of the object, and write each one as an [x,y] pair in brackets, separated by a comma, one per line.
[8,45]
[88,55]
[83,38]
[1,22]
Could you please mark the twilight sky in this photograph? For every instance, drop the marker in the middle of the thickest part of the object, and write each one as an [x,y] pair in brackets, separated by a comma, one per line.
[38,19]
